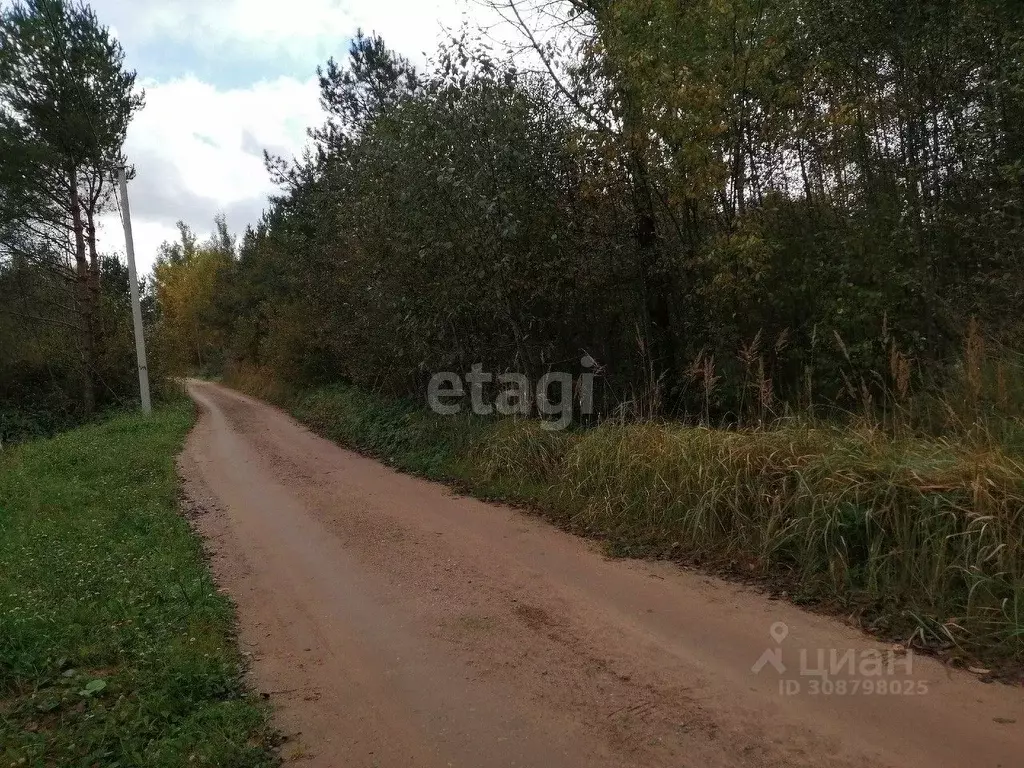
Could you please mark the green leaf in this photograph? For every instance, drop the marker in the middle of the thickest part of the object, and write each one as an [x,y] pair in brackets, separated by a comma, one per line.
[93,687]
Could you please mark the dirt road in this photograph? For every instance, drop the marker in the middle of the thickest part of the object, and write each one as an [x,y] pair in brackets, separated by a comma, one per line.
[396,624]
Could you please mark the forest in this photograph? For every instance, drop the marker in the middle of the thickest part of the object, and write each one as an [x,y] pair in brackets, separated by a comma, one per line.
[739,209]
[66,99]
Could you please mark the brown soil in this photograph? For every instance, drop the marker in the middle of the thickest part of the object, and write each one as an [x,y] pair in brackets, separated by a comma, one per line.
[394,623]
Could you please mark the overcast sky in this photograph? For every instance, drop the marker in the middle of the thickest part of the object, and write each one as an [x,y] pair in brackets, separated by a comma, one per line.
[225,79]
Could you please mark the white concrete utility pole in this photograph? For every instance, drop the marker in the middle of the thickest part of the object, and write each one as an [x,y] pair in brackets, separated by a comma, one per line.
[133,286]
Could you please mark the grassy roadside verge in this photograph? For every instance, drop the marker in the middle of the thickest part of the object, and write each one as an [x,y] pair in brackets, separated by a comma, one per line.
[921,539]
[115,647]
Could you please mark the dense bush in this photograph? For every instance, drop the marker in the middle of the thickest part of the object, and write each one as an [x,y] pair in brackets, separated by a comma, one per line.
[735,208]
[41,359]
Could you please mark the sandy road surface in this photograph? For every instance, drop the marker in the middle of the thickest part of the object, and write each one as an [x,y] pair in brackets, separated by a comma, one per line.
[395,624]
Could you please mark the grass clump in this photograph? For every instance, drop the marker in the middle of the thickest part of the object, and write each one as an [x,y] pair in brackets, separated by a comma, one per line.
[115,647]
[925,537]
[401,432]
[922,537]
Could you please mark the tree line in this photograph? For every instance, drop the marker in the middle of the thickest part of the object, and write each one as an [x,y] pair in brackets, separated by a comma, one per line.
[66,100]
[733,207]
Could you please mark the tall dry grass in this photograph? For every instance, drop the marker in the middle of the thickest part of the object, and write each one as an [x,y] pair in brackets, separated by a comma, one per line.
[924,537]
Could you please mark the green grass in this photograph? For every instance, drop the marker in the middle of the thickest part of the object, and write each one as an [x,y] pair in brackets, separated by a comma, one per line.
[400,432]
[115,647]
[923,538]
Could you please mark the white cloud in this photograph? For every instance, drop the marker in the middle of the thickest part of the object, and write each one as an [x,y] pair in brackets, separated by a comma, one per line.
[270,28]
[193,149]
[196,146]
[209,132]
[300,30]
[413,27]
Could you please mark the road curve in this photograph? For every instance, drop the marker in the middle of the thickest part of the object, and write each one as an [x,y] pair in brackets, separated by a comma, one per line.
[394,623]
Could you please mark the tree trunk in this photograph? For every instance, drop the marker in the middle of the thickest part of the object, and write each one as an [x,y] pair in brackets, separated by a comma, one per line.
[94,261]
[98,332]
[87,315]
[657,288]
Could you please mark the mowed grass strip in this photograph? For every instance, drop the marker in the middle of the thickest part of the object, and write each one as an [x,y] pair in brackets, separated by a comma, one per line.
[115,647]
